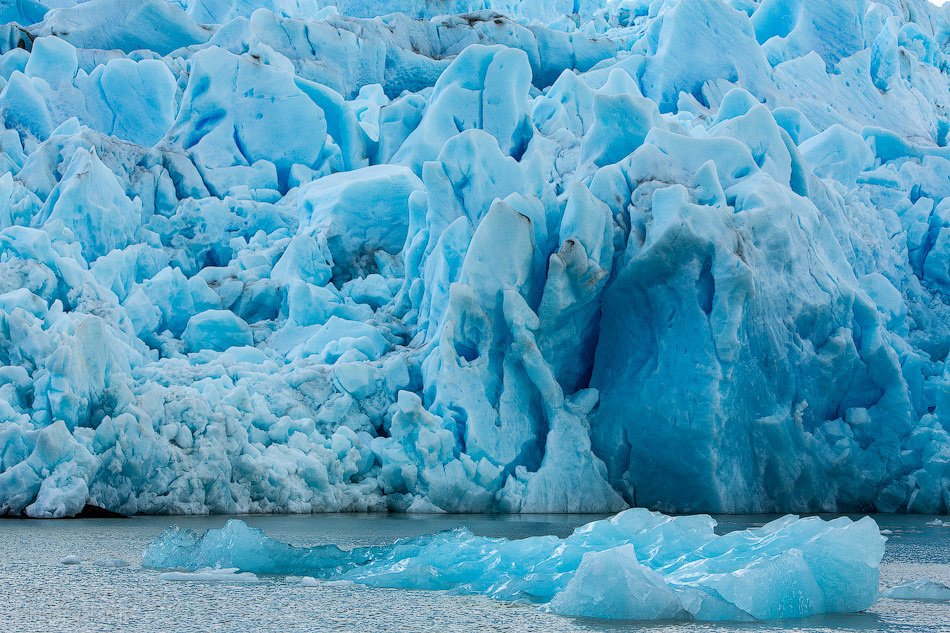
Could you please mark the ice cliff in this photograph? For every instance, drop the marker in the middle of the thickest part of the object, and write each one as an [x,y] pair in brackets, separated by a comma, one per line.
[474,255]
[636,565]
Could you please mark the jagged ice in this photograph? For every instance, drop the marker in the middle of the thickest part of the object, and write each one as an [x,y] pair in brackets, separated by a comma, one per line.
[296,256]
[637,565]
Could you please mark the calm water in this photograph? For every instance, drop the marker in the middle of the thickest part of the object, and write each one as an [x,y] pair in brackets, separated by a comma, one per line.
[37,593]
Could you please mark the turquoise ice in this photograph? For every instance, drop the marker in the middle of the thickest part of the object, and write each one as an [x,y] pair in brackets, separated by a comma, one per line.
[637,565]
[474,256]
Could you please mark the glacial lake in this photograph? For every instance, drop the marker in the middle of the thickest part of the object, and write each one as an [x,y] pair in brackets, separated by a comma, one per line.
[38,593]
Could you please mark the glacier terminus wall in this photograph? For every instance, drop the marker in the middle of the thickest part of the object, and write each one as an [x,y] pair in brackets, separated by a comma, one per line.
[474,256]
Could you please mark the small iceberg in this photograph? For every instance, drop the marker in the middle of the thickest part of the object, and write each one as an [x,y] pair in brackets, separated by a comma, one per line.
[923,589]
[72,559]
[636,565]
[210,574]
[111,562]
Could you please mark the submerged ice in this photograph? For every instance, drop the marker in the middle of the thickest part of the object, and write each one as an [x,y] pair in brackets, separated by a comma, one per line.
[922,589]
[477,255]
[636,565]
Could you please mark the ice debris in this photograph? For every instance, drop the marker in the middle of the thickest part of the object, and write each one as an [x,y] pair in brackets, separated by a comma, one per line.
[637,565]
[474,255]
[72,559]
[923,589]
[113,563]
[210,574]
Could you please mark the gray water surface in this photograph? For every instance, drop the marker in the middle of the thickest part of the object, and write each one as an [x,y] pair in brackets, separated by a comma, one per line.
[37,593]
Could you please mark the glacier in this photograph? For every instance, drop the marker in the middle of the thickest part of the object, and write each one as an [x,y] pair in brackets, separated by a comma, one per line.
[637,565]
[474,256]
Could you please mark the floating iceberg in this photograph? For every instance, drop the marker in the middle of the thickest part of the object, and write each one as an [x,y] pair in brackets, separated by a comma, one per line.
[474,256]
[111,562]
[637,565]
[927,590]
[209,574]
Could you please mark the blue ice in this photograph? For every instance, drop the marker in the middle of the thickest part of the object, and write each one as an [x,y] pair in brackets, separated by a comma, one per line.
[474,256]
[636,565]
